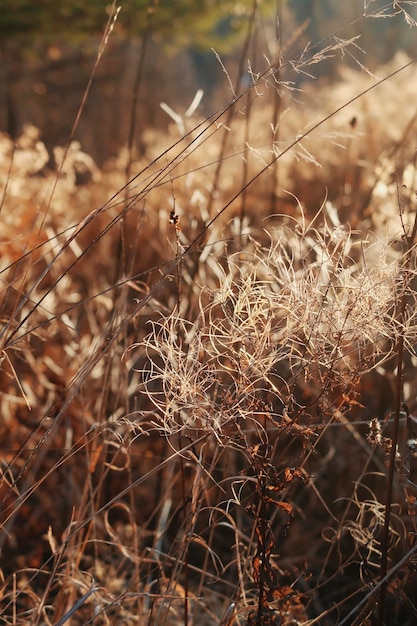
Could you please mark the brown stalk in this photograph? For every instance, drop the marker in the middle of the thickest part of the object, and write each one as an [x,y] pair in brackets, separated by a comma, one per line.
[406,276]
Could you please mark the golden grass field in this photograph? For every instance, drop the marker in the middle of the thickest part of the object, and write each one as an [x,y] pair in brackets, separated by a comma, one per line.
[208,363]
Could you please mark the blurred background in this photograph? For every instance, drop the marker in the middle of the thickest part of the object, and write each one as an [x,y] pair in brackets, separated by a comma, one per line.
[162,51]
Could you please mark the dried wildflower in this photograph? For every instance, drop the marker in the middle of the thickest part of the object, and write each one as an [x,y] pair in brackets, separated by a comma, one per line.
[374,434]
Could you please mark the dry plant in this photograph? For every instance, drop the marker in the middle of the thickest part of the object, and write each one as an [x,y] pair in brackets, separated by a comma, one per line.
[207,380]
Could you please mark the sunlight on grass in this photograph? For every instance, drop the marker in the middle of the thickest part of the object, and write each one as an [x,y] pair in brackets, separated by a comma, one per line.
[208,364]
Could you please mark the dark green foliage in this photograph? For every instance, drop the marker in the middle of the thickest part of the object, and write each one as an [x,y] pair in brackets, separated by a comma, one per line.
[192,21]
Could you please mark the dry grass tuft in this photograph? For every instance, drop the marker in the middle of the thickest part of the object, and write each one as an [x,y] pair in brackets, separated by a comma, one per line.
[207,369]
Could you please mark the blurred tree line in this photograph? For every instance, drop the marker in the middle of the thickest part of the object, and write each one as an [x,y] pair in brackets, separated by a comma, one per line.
[202,22]
[47,49]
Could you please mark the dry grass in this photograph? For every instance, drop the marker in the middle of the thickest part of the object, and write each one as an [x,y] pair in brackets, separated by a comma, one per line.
[207,372]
